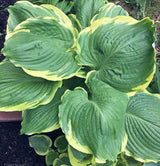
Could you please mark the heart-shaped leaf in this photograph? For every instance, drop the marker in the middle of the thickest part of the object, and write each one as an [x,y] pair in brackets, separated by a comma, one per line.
[143,127]
[43,48]
[20,91]
[120,50]
[40,143]
[94,123]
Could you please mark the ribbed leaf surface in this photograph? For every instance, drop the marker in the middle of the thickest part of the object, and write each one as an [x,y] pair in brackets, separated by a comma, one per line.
[110,10]
[94,123]
[19,91]
[120,50]
[43,118]
[22,10]
[42,47]
[143,127]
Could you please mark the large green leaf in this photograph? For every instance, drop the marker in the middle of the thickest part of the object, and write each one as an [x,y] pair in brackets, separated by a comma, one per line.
[94,123]
[23,10]
[43,118]
[110,10]
[86,9]
[19,91]
[43,48]
[120,50]
[143,127]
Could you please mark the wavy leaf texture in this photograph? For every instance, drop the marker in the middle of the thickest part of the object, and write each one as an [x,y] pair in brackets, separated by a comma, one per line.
[22,10]
[19,91]
[43,118]
[120,50]
[143,127]
[94,123]
[110,10]
[43,48]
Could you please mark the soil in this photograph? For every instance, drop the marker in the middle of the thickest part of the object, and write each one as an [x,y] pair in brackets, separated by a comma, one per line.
[14,148]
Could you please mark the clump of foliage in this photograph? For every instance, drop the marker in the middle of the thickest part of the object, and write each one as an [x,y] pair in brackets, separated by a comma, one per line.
[61,153]
[85,72]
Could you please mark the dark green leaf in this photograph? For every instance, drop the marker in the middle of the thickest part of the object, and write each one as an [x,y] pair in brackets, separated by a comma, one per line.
[40,143]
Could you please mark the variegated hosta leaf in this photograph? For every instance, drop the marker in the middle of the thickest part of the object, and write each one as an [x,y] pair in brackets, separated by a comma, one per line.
[86,9]
[61,144]
[51,156]
[40,143]
[42,47]
[110,10]
[19,91]
[23,10]
[120,50]
[78,158]
[94,123]
[143,127]
[63,160]
[43,118]
[75,22]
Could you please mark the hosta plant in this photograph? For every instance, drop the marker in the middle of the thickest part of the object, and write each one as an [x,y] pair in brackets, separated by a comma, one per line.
[85,72]
[61,153]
